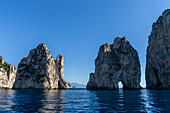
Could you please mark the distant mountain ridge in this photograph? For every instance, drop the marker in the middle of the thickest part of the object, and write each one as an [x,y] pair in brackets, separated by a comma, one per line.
[77,85]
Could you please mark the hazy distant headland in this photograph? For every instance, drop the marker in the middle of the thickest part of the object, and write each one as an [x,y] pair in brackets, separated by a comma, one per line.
[77,85]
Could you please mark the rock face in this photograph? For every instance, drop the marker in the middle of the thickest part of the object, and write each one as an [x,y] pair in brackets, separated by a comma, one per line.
[62,84]
[7,74]
[158,54]
[40,71]
[115,63]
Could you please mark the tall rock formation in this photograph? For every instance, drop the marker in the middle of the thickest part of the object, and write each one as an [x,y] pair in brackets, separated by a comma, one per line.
[40,71]
[115,63]
[158,54]
[7,74]
[60,71]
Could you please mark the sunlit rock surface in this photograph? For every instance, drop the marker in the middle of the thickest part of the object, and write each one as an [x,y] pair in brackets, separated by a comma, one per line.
[40,71]
[7,74]
[116,62]
[158,54]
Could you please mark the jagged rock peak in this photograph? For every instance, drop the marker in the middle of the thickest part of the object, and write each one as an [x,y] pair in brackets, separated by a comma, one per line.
[1,60]
[116,62]
[7,74]
[42,46]
[60,60]
[60,65]
[120,39]
[39,70]
[166,11]
[158,54]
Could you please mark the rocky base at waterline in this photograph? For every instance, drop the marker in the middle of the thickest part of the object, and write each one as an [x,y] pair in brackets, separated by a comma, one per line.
[114,63]
[7,74]
[158,54]
[40,71]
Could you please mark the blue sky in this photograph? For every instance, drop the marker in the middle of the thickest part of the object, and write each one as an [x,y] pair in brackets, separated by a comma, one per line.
[75,29]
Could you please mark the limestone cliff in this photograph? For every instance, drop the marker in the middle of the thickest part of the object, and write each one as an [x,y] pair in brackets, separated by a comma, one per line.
[40,71]
[158,54]
[60,71]
[116,62]
[7,74]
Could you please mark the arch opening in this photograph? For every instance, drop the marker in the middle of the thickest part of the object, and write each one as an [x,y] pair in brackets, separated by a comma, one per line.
[120,85]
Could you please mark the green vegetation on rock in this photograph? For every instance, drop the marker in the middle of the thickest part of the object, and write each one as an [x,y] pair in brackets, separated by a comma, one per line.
[5,66]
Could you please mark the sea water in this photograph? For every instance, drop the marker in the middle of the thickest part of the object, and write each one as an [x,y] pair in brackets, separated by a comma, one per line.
[85,101]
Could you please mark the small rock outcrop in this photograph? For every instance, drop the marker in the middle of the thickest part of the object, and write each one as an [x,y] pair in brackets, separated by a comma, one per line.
[114,63]
[158,54]
[7,74]
[40,71]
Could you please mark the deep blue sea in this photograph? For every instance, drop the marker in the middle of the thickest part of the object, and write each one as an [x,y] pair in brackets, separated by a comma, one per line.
[85,101]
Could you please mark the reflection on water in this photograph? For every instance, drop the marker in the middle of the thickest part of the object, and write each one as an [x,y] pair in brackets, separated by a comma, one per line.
[147,102]
[121,100]
[144,101]
[32,100]
[27,100]
[155,101]
[53,101]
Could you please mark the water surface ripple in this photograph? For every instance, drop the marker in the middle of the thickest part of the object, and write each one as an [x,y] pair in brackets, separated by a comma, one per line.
[81,100]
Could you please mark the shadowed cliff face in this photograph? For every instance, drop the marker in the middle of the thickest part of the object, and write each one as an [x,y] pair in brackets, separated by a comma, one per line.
[158,54]
[39,70]
[115,63]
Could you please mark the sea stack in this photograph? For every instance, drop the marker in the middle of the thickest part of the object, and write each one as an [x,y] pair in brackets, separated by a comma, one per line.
[7,74]
[114,63]
[40,71]
[158,54]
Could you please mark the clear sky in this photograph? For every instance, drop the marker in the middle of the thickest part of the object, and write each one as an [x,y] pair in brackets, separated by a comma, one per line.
[75,29]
